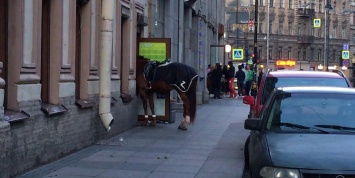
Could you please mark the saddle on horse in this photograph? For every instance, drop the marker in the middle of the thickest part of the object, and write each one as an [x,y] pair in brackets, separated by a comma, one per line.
[150,71]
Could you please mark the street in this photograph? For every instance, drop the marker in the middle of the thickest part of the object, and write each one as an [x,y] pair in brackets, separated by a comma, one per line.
[211,147]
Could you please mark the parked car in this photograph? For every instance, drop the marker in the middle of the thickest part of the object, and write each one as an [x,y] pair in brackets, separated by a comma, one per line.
[303,132]
[282,78]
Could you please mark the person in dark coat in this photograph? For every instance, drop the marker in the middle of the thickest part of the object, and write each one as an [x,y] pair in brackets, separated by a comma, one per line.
[260,75]
[225,77]
[240,75]
[231,72]
[216,81]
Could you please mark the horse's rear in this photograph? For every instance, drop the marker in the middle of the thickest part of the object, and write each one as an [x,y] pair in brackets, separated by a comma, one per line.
[186,88]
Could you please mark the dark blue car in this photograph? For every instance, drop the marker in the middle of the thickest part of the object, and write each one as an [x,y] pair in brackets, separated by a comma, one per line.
[303,132]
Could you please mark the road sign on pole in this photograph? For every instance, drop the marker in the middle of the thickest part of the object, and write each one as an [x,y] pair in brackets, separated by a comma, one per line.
[316,23]
[345,54]
[238,54]
[345,46]
[346,63]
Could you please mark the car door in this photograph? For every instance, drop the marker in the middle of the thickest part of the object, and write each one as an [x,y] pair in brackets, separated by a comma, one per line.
[257,137]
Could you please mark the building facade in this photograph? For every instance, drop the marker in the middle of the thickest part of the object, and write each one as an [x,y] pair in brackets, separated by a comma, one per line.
[68,69]
[292,34]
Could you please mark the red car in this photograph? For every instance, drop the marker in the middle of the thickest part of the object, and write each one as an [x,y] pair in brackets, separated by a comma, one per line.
[286,78]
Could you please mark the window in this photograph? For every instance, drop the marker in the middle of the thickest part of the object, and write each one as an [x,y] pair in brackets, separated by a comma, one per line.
[312,55]
[290,4]
[303,108]
[343,35]
[281,4]
[304,56]
[319,33]
[280,52]
[159,18]
[252,2]
[290,28]
[289,54]
[270,53]
[261,2]
[312,31]
[299,54]
[334,32]
[270,27]
[279,31]
[260,27]
[299,29]
[334,54]
[271,3]
[320,7]
[319,56]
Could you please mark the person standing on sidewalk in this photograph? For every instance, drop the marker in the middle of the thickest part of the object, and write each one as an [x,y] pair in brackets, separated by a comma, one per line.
[240,75]
[231,72]
[260,75]
[216,81]
[249,79]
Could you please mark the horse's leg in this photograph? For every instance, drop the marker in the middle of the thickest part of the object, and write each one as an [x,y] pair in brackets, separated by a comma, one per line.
[186,108]
[151,105]
[143,95]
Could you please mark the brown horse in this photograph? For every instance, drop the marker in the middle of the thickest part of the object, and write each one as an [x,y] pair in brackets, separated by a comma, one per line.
[188,97]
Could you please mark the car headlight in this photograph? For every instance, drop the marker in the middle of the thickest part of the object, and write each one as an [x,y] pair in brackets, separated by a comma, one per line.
[271,172]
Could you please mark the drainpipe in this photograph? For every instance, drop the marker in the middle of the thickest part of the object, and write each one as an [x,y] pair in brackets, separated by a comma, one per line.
[105,62]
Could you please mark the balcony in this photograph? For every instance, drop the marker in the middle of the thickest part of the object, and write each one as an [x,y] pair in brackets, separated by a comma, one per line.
[305,39]
[305,12]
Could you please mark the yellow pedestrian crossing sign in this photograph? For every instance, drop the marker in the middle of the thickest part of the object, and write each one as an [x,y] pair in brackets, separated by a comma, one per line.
[316,23]
[237,54]
[345,54]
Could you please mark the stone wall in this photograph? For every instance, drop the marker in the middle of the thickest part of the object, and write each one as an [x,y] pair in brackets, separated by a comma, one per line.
[42,139]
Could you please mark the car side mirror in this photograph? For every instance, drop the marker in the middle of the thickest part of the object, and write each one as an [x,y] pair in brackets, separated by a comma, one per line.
[248,100]
[252,124]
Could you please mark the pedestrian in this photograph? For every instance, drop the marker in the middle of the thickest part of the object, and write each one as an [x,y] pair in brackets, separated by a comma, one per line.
[249,79]
[240,75]
[224,81]
[208,70]
[209,78]
[231,73]
[260,75]
[216,76]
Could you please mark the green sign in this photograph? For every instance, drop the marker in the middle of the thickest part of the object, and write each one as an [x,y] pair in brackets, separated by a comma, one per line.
[153,50]
[316,23]
[237,54]
[250,61]
[345,54]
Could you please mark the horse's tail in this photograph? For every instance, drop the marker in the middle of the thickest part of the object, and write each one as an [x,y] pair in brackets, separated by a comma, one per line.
[191,94]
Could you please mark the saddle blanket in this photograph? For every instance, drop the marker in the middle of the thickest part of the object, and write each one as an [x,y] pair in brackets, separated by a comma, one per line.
[174,73]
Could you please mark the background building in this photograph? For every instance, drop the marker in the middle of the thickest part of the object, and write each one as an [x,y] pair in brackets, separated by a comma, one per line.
[292,35]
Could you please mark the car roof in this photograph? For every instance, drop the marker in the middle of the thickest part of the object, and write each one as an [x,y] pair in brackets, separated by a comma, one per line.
[303,74]
[315,89]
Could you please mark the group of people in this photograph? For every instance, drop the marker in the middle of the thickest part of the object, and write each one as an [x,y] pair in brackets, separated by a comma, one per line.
[221,79]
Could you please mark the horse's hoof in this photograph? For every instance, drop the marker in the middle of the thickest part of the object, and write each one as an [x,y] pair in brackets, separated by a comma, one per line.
[182,128]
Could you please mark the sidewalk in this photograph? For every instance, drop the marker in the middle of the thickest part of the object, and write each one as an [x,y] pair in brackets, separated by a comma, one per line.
[211,148]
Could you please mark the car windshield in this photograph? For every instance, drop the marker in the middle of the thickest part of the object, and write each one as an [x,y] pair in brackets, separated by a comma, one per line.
[309,112]
[274,82]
